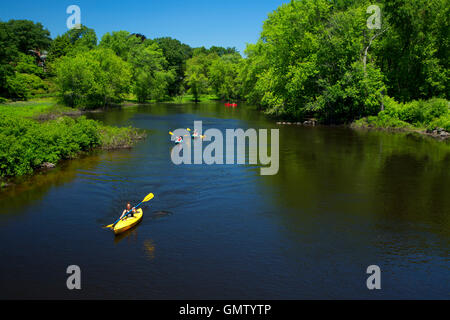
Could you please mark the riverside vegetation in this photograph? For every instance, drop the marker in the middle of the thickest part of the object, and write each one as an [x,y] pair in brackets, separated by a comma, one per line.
[314,59]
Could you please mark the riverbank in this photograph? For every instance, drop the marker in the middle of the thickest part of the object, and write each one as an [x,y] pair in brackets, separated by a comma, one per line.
[427,117]
[41,132]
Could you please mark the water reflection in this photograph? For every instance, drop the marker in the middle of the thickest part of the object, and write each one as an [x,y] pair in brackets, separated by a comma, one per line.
[28,189]
[149,249]
[388,176]
[130,235]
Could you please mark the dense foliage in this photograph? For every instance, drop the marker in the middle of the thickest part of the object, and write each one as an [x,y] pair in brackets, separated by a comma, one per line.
[318,58]
[429,114]
[176,54]
[26,142]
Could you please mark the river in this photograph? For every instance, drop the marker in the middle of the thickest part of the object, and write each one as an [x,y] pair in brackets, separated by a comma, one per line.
[342,200]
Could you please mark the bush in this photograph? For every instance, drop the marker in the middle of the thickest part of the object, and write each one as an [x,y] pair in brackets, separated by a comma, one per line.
[114,137]
[27,64]
[383,120]
[26,144]
[22,86]
[353,96]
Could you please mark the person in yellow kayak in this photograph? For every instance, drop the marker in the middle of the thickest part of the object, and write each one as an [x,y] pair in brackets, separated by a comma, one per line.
[129,208]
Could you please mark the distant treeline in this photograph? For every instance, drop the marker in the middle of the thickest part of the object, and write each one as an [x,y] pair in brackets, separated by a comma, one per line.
[88,73]
[314,58]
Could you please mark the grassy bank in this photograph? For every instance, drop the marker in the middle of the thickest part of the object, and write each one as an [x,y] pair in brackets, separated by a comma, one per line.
[41,132]
[425,116]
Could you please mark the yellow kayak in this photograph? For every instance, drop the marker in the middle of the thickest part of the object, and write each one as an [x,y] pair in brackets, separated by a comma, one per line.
[128,223]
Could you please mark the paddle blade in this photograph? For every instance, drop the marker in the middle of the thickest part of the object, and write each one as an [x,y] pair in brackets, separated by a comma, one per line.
[108,226]
[171,133]
[188,129]
[148,197]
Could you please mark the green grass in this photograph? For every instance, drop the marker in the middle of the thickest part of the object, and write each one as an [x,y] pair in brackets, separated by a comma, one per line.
[36,107]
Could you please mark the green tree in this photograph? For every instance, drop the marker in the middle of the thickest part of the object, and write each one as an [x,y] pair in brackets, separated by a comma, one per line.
[26,35]
[17,38]
[8,52]
[197,72]
[176,54]
[221,51]
[224,76]
[27,64]
[22,86]
[309,61]
[72,42]
[121,42]
[150,78]
[414,52]
[94,78]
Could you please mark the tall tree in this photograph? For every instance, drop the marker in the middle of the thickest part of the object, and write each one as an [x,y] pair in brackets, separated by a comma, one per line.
[26,35]
[93,78]
[150,75]
[176,54]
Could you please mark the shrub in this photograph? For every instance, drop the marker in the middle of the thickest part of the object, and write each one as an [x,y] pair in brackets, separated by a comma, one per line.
[441,122]
[26,144]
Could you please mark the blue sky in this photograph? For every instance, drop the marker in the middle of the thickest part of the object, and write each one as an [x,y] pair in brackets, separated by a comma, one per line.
[228,23]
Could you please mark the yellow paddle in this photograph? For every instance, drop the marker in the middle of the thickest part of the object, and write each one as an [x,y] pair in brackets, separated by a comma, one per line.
[147,198]
[171,133]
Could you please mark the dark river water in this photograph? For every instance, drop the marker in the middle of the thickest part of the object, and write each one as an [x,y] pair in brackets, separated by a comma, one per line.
[342,200]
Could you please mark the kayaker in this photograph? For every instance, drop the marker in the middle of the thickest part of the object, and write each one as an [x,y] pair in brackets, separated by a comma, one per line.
[179,140]
[132,211]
